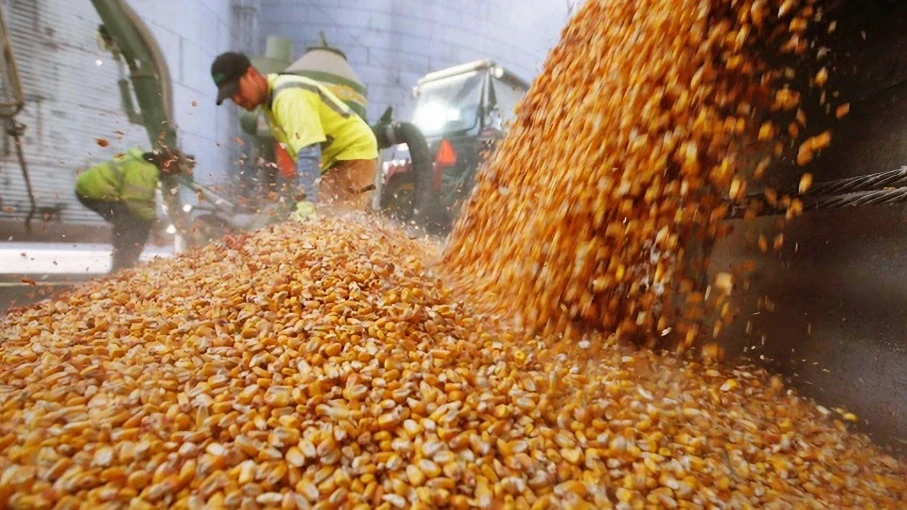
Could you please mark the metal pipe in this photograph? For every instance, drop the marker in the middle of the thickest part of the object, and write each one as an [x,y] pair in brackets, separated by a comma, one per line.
[157,57]
[148,69]
[9,110]
[15,129]
[11,73]
[126,101]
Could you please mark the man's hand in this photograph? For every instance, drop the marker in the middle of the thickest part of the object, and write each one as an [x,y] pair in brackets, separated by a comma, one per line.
[304,211]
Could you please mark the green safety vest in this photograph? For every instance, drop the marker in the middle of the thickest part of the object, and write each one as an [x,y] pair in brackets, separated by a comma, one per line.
[127,178]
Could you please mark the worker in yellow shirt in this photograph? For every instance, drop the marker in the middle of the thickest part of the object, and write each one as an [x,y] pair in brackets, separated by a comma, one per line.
[336,152]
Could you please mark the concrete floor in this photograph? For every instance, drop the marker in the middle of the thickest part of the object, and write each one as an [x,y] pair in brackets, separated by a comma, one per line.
[16,294]
[53,267]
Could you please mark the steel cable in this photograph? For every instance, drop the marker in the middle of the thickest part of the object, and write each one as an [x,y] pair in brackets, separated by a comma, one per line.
[874,189]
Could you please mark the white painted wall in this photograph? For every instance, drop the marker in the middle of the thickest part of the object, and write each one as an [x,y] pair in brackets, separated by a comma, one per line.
[392,43]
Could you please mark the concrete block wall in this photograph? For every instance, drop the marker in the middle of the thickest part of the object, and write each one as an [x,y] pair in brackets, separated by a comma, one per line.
[72,101]
[392,43]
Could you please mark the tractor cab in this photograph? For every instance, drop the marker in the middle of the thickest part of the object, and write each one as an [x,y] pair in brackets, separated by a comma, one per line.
[462,112]
[466,99]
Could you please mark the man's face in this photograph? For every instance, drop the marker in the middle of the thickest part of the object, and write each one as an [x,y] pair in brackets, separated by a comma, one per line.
[252,90]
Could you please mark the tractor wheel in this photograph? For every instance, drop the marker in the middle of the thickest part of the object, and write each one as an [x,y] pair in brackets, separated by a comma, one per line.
[397,197]
[207,228]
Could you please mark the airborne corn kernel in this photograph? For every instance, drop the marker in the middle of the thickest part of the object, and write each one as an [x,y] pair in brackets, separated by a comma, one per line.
[631,135]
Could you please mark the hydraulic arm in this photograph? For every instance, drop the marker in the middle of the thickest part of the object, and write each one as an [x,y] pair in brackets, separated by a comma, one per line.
[131,42]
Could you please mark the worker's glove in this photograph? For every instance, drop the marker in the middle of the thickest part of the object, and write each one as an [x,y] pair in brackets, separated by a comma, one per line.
[304,211]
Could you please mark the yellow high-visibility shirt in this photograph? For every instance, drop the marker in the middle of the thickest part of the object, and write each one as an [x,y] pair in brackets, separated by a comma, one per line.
[302,112]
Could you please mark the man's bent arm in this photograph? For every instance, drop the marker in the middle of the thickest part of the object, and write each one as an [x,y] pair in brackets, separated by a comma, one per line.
[308,171]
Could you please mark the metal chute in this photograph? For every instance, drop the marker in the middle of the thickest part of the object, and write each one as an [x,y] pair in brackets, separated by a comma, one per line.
[131,42]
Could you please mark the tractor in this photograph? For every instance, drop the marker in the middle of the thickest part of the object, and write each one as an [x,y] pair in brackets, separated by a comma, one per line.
[463,111]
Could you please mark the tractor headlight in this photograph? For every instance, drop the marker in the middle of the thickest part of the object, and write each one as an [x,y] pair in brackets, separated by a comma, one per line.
[433,116]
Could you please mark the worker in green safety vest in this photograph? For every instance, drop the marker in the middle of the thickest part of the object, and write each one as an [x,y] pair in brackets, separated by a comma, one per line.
[335,151]
[122,191]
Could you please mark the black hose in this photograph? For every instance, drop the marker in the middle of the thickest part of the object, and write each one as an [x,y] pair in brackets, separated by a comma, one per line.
[389,134]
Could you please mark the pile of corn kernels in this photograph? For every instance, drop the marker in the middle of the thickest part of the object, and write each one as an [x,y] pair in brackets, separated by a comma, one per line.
[325,366]
[625,155]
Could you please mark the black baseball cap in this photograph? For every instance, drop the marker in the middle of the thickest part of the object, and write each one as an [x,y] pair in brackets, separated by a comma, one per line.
[226,71]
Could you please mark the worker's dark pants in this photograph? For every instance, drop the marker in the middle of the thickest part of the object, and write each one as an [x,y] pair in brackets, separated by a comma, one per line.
[129,233]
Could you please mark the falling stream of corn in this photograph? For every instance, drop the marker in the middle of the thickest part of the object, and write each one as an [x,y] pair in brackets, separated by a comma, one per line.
[337,365]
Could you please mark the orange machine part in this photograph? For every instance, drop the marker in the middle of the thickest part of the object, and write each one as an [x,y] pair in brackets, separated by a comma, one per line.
[285,164]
